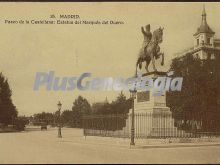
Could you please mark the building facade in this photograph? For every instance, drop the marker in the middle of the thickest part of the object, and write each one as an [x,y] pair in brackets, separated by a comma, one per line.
[206,46]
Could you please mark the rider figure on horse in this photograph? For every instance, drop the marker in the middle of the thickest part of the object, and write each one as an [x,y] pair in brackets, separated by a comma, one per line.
[147,35]
[150,48]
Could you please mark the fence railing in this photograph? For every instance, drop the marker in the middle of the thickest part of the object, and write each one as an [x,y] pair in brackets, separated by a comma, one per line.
[150,125]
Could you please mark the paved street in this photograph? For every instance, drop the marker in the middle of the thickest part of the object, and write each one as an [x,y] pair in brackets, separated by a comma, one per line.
[35,146]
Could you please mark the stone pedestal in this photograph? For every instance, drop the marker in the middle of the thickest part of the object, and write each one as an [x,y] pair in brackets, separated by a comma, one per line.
[148,102]
[152,116]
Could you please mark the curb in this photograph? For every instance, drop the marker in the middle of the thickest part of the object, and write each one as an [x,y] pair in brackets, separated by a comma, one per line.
[174,145]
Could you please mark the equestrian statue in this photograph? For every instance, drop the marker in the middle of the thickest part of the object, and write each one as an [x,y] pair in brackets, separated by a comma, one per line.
[150,49]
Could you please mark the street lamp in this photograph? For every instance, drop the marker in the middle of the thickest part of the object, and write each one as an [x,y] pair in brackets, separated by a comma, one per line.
[59,121]
[133,95]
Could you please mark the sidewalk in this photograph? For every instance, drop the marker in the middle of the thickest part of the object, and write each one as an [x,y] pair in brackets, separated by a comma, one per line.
[174,145]
[76,136]
[154,143]
[73,147]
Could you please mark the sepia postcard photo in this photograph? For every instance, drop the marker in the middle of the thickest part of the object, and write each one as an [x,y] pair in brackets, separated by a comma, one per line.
[109,82]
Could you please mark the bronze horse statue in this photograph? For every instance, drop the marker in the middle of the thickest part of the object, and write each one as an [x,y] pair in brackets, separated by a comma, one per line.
[151,51]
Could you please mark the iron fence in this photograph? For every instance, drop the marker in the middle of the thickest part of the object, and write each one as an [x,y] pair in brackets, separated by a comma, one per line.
[152,125]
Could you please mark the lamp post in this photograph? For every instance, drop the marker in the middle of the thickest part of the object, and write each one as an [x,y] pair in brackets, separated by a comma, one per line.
[59,121]
[133,95]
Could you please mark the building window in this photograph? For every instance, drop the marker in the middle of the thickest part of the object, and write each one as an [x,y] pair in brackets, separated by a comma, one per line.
[208,40]
[208,56]
[197,41]
[212,57]
[196,55]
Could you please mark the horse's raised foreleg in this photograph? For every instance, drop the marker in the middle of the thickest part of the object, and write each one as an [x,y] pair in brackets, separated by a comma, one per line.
[158,55]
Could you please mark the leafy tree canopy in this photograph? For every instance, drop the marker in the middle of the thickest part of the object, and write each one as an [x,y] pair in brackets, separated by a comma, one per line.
[7,109]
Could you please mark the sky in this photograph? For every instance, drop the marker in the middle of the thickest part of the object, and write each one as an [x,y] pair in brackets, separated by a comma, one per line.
[104,50]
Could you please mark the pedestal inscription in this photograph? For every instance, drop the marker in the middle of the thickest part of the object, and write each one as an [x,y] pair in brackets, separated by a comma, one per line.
[143,96]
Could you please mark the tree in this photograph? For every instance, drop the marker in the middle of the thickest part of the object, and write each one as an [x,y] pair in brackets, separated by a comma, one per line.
[101,108]
[110,116]
[67,118]
[44,117]
[80,107]
[7,109]
[198,99]
[119,106]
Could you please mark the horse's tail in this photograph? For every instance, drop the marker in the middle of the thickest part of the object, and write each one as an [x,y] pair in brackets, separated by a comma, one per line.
[138,64]
[162,62]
